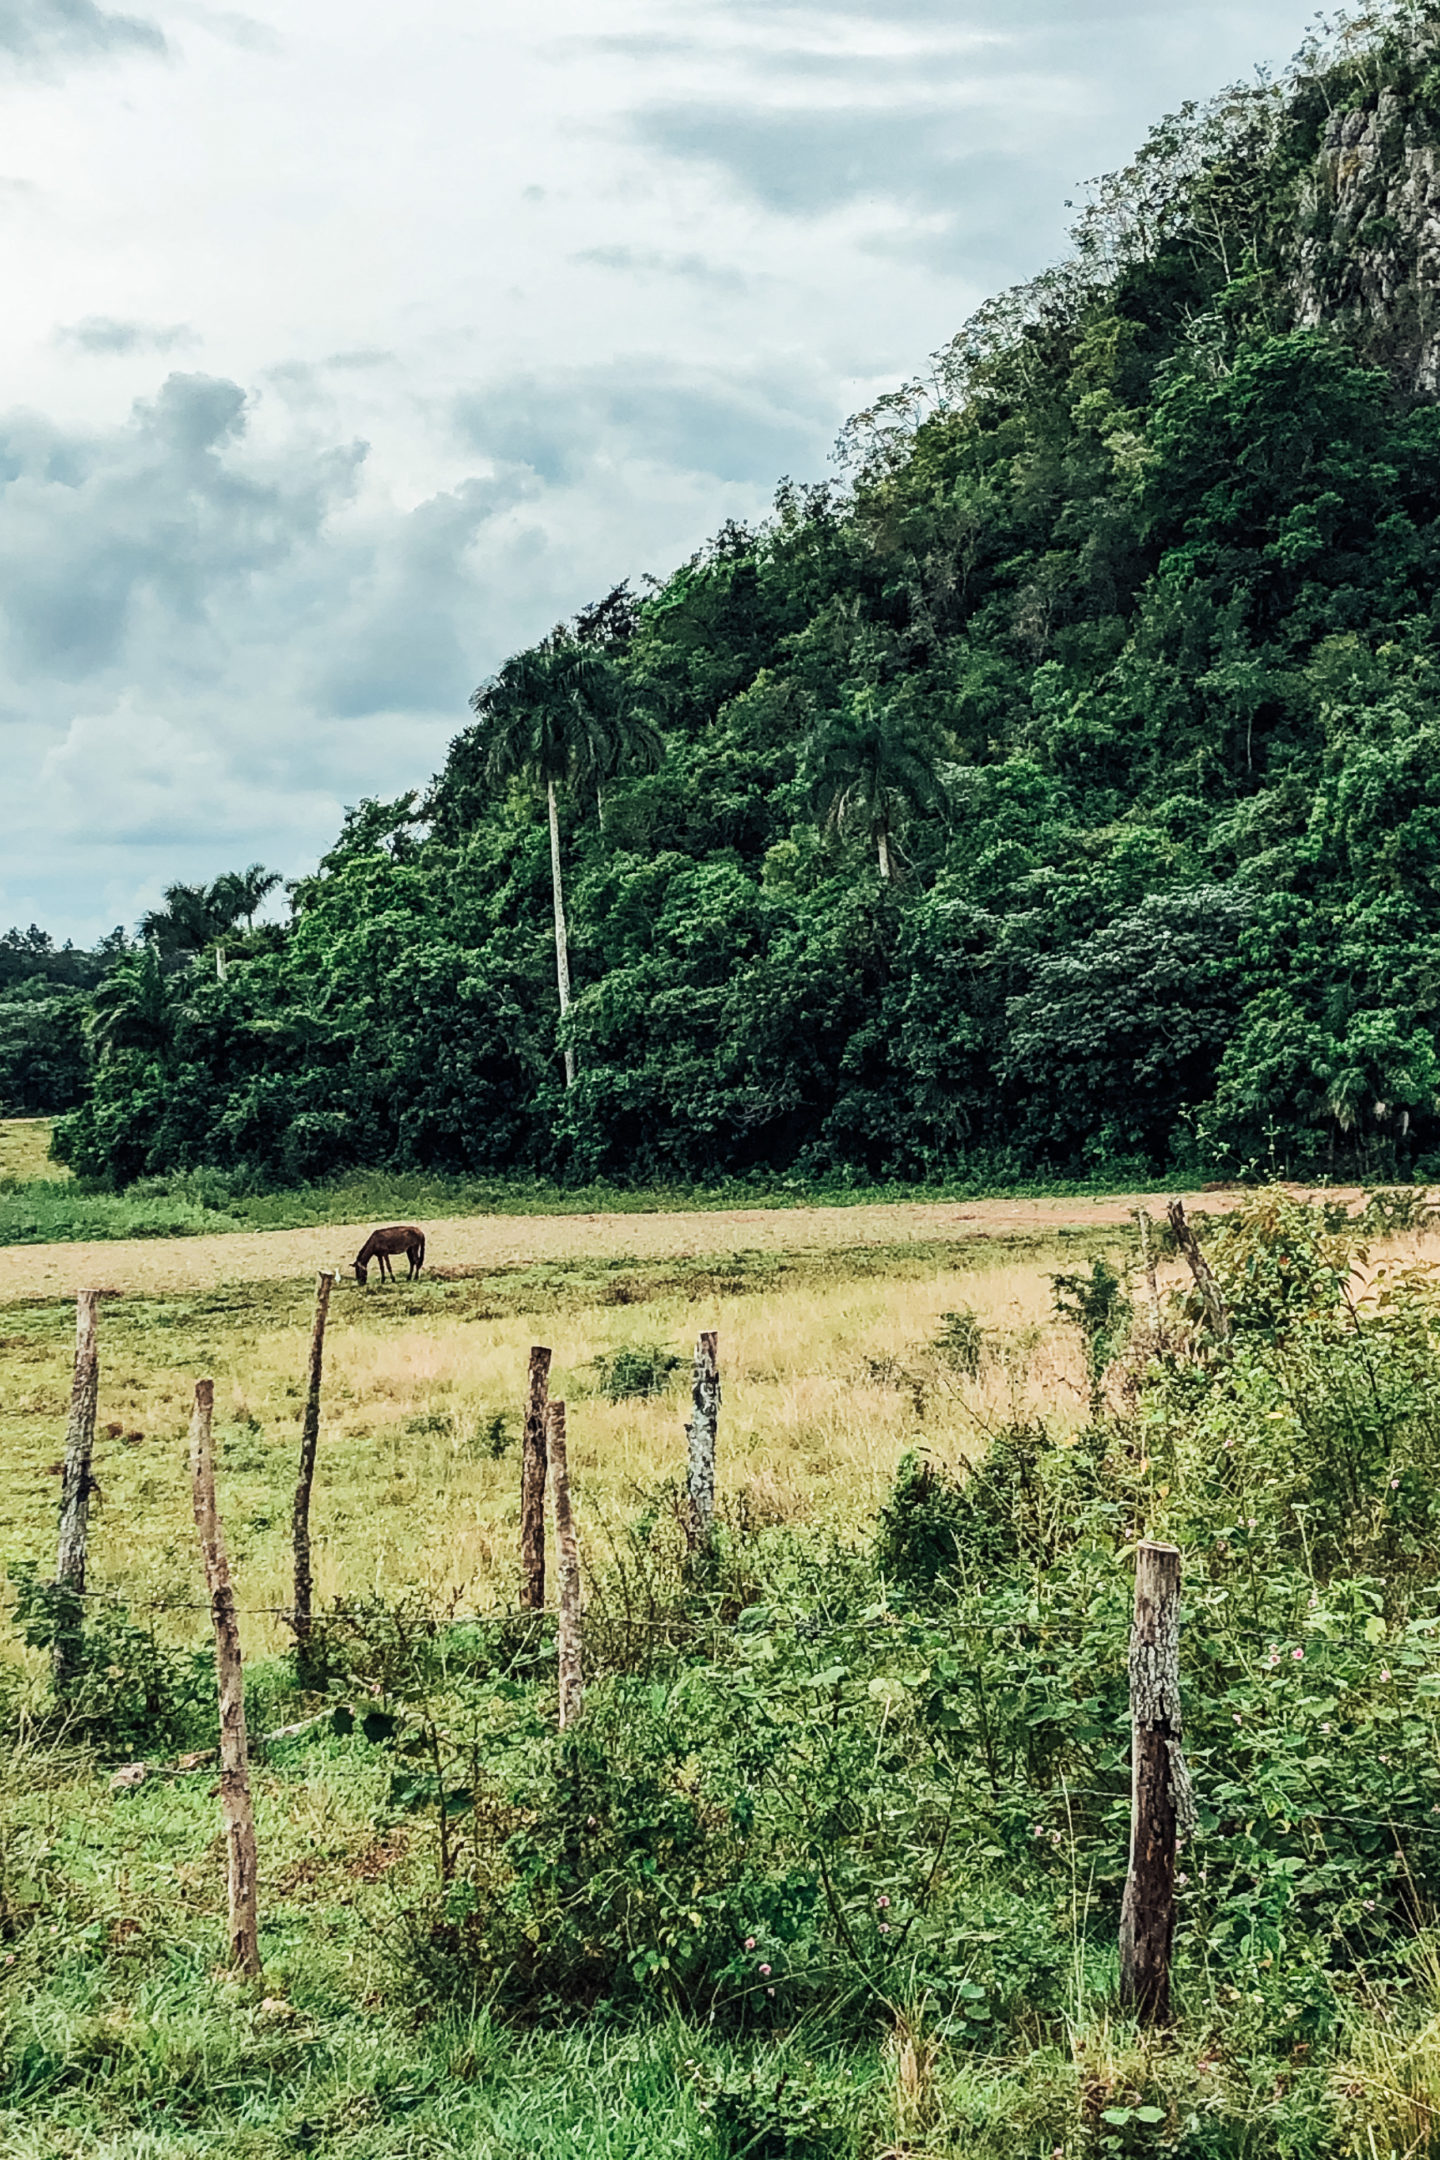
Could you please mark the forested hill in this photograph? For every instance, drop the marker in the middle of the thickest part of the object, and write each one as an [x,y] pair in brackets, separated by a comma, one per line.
[1062,790]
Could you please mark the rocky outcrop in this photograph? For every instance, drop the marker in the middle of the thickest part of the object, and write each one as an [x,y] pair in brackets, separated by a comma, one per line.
[1368,259]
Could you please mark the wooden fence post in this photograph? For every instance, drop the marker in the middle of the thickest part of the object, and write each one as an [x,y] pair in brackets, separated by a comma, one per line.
[236,1812]
[1147,1258]
[301,1619]
[1211,1296]
[532,1485]
[572,1682]
[705,1397]
[1162,1807]
[78,1482]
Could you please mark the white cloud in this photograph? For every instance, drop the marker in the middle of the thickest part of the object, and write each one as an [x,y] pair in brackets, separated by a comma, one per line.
[496,306]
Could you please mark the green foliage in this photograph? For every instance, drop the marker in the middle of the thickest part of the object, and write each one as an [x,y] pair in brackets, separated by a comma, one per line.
[1097,1304]
[637,1369]
[124,1688]
[960,1341]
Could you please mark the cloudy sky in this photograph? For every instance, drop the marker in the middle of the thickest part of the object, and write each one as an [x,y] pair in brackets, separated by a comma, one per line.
[346,347]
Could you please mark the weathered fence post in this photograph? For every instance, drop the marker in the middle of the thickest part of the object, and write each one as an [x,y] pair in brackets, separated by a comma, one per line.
[572,1681]
[236,1812]
[1162,1808]
[78,1482]
[705,1397]
[1147,1259]
[302,1616]
[532,1485]
[1211,1296]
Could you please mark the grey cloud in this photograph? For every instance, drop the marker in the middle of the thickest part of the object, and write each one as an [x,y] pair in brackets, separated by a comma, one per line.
[48,30]
[695,420]
[209,642]
[102,535]
[111,334]
[803,161]
[653,262]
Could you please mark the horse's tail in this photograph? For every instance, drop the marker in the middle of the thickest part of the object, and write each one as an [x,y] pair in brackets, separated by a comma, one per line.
[420,1253]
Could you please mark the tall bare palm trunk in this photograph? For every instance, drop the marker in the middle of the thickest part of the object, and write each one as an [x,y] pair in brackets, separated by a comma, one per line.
[883,840]
[562,945]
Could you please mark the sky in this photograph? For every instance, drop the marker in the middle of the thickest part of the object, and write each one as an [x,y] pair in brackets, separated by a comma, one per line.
[346,348]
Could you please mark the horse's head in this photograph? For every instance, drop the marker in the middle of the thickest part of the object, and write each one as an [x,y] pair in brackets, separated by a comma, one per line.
[362,1271]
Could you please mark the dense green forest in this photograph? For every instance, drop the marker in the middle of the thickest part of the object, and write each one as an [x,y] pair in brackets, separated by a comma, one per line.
[1059,791]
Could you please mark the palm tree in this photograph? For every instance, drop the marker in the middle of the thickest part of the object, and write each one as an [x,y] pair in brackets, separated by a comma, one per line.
[185,924]
[867,765]
[240,892]
[195,916]
[132,1009]
[557,715]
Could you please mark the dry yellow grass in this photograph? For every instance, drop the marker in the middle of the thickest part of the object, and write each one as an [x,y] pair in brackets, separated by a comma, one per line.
[25,1151]
[828,1375]
[826,1383]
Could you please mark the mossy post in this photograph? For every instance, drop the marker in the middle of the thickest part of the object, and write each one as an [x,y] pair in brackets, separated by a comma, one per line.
[704,1425]
[572,1678]
[79,1482]
[302,1618]
[236,1813]
[532,1484]
[1161,1808]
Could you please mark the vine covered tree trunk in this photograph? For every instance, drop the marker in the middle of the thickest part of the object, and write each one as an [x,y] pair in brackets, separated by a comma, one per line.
[532,1485]
[236,1811]
[78,1482]
[562,942]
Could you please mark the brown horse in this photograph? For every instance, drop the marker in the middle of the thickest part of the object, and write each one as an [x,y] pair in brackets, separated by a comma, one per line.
[400,1237]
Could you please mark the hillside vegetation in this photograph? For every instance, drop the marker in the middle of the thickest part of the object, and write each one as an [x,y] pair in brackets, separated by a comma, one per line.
[1061,791]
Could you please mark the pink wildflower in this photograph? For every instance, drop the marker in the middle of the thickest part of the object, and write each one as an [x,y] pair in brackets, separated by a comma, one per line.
[764,1972]
[749,1942]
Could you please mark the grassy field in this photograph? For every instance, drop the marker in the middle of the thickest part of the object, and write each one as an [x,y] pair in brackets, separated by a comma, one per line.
[828,1373]
[112,2010]
[122,2036]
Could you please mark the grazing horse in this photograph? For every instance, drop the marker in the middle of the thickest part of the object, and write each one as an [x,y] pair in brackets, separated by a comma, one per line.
[400,1237]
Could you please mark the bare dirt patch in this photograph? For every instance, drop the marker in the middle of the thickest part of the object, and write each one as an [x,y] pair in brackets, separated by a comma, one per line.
[489,1243]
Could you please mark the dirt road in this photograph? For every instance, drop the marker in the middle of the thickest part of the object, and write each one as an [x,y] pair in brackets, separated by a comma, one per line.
[492,1242]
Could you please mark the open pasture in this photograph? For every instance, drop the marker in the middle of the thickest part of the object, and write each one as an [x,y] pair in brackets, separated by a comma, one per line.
[829,1373]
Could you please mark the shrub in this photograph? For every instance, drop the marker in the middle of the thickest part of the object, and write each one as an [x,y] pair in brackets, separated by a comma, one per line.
[637,1369]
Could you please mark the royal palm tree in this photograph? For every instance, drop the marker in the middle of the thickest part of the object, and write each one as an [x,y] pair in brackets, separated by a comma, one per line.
[195,916]
[240,892]
[867,765]
[557,715]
